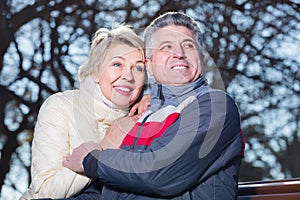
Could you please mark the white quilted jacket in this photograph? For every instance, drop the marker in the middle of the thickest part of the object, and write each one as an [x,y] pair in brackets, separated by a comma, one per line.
[65,121]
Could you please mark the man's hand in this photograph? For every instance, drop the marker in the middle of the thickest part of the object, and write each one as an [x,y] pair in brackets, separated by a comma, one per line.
[141,106]
[117,132]
[74,161]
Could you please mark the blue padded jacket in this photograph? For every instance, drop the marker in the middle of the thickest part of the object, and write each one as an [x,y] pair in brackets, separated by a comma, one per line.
[188,145]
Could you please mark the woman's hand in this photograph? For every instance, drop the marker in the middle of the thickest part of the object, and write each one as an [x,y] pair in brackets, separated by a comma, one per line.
[141,106]
[117,132]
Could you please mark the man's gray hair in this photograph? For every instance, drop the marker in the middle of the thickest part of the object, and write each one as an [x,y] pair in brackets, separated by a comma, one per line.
[171,18]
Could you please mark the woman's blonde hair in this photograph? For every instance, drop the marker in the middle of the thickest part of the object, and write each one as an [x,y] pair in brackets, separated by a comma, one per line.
[102,43]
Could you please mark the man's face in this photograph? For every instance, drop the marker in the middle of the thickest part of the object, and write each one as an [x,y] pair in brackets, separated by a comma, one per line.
[175,56]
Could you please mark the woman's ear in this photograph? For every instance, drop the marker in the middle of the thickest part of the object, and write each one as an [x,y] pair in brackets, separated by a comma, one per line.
[148,64]
[96,77]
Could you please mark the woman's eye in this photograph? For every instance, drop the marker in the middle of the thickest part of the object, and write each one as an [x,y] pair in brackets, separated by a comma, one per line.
[117,64]
[138,68]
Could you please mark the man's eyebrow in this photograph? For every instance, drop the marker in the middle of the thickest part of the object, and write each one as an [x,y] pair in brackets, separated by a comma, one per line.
[185,40]
[189,40]
[164,42]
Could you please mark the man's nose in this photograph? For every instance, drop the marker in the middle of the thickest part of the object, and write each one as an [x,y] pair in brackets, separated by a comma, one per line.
[179,52]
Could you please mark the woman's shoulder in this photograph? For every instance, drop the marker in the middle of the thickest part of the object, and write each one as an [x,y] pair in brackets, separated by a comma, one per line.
[61,98]
[58,104]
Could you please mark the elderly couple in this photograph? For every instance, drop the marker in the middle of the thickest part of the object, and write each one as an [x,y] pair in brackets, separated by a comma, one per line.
[90,144]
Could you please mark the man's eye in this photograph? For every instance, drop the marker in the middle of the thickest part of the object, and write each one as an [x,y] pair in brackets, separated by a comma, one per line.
[166,47]
[188,45]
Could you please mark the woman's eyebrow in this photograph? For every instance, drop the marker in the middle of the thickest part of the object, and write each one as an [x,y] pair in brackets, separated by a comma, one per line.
[123,58]
[140,61]
[118,57]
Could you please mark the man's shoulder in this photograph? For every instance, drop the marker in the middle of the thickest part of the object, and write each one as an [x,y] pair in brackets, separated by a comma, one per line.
[215,95]
[212,100]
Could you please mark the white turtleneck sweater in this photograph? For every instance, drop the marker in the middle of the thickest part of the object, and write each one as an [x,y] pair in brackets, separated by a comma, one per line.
[65,121]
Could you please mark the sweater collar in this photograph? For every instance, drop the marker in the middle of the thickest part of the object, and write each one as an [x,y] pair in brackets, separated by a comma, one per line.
[91,95]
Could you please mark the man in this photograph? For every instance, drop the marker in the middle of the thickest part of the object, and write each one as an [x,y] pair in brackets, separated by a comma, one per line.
[188,145]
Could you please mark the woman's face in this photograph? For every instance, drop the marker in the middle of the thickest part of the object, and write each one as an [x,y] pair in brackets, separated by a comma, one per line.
[121,76]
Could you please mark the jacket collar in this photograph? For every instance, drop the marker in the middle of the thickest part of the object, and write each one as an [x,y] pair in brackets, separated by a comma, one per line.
[162,94]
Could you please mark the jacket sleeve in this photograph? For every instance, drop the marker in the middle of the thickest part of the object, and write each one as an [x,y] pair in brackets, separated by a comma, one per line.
[51,143]
[204,140]
[92,192]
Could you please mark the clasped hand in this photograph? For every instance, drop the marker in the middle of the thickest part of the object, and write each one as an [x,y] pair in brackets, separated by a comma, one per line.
[112,140]
[74,160]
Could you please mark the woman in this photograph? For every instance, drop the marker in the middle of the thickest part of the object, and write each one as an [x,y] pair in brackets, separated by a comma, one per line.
[110,81]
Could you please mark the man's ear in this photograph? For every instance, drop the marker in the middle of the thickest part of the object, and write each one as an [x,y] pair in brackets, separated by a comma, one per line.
[148,64]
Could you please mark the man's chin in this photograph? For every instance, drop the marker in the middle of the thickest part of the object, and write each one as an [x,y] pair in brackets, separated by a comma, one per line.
[179,82]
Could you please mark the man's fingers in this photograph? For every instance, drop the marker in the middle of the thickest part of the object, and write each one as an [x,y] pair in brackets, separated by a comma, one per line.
[143,108]
[67,157]
[134,118]
[133,109]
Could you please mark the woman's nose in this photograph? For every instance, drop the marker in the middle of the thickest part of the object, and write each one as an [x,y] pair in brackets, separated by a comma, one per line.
[128,75]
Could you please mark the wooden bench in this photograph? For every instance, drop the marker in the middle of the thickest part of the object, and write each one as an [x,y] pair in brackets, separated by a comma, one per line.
[287,189]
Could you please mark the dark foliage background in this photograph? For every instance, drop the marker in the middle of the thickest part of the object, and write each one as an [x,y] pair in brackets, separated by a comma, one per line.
[254,44]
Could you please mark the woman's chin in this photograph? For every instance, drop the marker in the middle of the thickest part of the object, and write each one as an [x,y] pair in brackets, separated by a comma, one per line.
[123,101]
[121,105]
